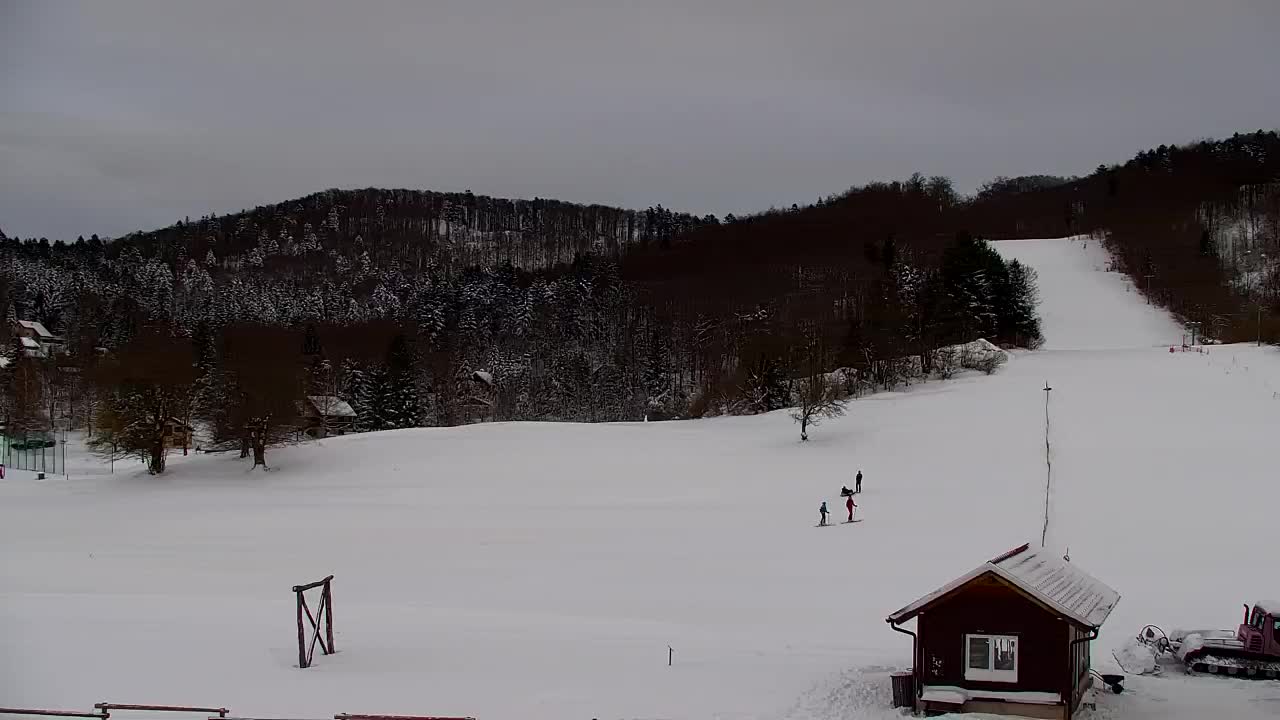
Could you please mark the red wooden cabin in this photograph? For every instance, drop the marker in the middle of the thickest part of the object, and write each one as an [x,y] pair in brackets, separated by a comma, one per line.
[1011,637]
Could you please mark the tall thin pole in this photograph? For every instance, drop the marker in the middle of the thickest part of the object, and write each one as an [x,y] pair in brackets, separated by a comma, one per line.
[1048,466]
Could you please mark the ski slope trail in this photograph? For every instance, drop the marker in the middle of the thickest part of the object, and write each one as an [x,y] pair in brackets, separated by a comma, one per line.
[525,570]
[1084,307]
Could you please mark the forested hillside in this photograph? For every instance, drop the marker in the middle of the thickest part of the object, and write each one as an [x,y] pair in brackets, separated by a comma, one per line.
[426,308]
[421,308]
[1196,226]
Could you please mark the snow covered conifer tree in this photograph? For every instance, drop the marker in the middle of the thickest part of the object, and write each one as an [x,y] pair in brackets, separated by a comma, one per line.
[360,389]
[1021,317]
[395,389]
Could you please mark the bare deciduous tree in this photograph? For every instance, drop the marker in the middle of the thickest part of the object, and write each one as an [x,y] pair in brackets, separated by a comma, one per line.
[263,381]
[146,387]
[820,393]
[819,399]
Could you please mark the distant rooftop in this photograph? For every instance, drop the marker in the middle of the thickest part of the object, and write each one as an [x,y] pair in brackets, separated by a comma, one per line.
[36,327]
[331,406]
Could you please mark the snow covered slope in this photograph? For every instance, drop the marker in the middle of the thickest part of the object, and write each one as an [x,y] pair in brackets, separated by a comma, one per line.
[541,571]
[1082,306]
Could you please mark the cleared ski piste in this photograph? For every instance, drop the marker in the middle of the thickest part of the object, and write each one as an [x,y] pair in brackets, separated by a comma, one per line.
[542,570]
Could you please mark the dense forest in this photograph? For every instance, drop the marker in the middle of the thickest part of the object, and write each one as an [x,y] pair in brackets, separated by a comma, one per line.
[1197,227]
[425,308]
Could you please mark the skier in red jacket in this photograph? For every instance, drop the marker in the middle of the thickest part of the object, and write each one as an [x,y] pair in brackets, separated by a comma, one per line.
[849,504]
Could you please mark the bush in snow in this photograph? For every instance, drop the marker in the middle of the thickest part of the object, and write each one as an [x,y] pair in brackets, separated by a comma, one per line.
[982,355]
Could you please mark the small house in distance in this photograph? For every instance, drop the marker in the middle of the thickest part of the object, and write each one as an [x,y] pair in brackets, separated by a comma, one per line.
[176,434]
[1010,637]
[325,415]
[35,340]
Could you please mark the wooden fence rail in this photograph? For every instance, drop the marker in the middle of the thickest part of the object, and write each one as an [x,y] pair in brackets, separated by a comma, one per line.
[104,712]
[107,707]
[56,713]
[346,716]
[262,718]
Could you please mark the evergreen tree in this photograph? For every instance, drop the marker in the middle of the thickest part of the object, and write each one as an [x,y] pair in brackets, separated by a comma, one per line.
[360,388]
[1021,318]
[395,389]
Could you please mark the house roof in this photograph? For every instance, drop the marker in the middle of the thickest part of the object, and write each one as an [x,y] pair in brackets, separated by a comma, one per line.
[1050,580]
[29,343]
[38,328]
[331,406]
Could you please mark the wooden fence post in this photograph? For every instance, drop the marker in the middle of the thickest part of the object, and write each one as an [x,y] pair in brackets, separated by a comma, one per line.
[328,616]
[302,638]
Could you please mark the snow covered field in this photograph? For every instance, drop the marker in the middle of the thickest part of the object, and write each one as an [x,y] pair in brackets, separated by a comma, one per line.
[541,571]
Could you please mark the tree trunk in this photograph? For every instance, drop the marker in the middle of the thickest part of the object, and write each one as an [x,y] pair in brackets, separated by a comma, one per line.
[244,447]
[804,427]
[155,463]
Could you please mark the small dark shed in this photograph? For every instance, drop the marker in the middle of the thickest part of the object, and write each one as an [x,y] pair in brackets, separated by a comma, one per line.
[1011,637]
[176,434]
[325,415]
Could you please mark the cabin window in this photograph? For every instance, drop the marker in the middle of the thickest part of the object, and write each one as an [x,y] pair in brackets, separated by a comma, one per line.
[991,658]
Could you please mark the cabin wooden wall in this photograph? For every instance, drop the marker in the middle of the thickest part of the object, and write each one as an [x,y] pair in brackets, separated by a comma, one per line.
[988,606]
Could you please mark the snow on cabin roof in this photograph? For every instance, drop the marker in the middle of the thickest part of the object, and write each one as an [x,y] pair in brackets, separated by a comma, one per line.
[29,343]
[1051,580]
[36,327]
[331,406]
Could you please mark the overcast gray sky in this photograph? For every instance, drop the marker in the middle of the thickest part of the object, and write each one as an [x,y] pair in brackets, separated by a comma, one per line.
[119,116]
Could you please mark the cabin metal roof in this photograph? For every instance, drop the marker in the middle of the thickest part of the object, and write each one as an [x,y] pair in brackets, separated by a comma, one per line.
[1054,582]
[36,327]
[331,406]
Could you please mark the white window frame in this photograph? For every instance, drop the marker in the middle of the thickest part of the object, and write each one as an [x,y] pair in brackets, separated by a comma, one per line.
[990,674]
